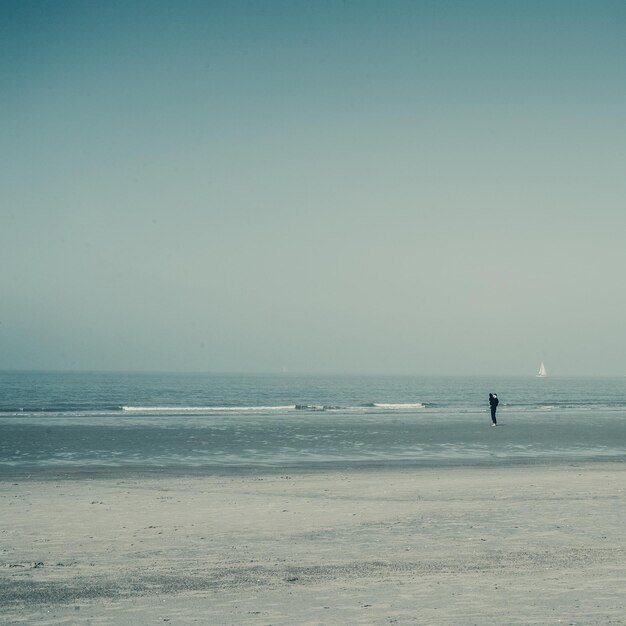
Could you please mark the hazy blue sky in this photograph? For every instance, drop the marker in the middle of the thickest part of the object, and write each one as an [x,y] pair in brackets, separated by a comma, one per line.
[401,187]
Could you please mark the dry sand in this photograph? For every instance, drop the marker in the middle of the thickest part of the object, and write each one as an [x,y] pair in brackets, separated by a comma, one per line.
[511,545]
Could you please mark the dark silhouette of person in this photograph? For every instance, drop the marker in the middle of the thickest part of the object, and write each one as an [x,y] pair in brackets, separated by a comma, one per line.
[493,405]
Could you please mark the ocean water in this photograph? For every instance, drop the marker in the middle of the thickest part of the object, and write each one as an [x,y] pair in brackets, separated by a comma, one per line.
[85,421]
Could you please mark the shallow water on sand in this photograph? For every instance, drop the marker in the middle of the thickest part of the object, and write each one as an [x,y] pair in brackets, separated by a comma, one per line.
[65,421]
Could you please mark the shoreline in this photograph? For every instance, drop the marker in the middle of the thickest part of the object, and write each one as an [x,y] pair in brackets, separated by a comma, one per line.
[104,472]
[524,544]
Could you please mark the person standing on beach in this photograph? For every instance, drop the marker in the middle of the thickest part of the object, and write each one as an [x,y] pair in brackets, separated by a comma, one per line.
[493,405]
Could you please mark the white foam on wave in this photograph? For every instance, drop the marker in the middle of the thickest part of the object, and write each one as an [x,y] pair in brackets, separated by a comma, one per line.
[203,409]
[388,406]
[405,405]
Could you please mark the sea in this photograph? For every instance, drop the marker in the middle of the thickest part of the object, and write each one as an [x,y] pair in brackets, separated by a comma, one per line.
[83,422]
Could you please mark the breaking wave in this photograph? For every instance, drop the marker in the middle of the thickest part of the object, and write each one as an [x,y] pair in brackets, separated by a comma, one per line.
[205,409]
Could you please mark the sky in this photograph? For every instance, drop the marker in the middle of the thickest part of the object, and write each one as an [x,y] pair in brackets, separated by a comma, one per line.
[427,187]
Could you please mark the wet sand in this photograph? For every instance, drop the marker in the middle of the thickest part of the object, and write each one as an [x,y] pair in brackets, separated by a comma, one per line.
[499,545]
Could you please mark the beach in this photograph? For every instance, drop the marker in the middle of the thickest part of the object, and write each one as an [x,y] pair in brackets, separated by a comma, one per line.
[517,544]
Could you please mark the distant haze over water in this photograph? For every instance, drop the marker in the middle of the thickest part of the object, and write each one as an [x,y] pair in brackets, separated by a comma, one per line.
[398,187]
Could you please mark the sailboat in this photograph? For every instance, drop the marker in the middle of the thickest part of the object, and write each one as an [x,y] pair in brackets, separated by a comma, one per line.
[542,371]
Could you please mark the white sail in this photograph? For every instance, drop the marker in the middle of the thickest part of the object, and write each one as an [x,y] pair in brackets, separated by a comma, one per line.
[542,371]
